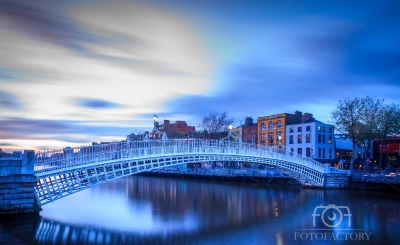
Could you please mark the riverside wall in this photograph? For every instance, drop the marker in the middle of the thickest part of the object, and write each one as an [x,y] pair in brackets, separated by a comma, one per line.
[17,181]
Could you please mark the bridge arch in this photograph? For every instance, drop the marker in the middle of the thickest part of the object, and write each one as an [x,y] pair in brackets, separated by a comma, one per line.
[63,172]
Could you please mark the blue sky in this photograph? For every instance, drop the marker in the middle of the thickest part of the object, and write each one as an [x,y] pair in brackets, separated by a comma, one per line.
[72,72]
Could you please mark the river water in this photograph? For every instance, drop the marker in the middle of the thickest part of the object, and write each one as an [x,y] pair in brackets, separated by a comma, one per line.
[155,210]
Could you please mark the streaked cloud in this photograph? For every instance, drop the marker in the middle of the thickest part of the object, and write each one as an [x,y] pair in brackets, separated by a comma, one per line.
[74,69]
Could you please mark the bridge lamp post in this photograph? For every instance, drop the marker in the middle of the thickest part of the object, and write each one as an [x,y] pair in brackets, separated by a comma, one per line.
[279,142]
[155,119]
[230,135]
[156,131]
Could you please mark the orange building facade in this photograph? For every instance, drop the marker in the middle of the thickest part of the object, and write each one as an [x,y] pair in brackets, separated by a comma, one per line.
[270,128]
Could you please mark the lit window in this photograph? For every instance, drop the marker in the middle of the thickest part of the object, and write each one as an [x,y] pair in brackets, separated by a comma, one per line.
[263,126]
[299,138]
[271,137]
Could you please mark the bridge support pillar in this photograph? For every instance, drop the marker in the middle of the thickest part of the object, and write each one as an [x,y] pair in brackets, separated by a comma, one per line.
[336,180]
[17,181]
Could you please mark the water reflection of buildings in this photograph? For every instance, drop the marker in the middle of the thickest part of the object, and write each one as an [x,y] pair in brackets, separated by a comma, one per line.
[211,207]
[218,208]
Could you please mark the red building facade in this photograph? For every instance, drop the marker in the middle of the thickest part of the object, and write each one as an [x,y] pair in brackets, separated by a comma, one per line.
[249,131]
[176,129]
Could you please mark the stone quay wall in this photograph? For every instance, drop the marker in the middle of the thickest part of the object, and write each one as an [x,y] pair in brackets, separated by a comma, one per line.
[336,180]
[17,181]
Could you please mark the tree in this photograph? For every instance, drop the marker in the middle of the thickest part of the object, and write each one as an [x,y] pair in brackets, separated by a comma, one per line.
[347,120]
[214,123]
[369,122]
[388,125]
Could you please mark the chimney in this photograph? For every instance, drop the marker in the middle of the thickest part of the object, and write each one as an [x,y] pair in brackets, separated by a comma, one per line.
[306,116]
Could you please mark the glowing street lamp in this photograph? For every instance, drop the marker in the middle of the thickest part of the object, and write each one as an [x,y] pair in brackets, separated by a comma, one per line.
[279,141]
[155,119]
[155,129]
[230,127]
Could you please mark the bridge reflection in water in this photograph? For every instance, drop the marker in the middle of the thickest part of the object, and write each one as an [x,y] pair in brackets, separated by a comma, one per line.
[151,210]
[177,211]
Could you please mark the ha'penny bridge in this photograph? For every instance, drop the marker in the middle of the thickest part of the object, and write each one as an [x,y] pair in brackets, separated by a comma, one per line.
[57,173]
[63,172]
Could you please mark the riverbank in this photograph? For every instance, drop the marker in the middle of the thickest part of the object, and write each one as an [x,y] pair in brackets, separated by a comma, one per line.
[282,180]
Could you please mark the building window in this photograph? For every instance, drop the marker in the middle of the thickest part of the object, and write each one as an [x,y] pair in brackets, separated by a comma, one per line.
[308,138]
[323,129]
[291,139]
[323,138]
[263,126]
[299,138]
[319,128]
[245,131]
[291,130]
[270,125]
[323,152]
[298,129]
[319,152]
[253,131]
[245,140]
[253,140]
[330,139]
[308,128]
[331,130]
[262,137]
[300,151]
[319,138]
[279,124]
[271,138]
[308,152]
[330,152]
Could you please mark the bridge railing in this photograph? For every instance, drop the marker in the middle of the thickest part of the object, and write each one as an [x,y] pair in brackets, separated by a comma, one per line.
[69,157]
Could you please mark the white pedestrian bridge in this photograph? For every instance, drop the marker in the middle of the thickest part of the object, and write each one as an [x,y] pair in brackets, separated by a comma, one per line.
[65,171]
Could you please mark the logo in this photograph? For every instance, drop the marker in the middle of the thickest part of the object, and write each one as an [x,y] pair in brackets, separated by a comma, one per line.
[332,222]
[332,215]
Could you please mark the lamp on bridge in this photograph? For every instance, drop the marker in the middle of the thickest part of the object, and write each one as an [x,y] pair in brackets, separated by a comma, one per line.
[156,131]
[230,135]
[279,142]
[155,120]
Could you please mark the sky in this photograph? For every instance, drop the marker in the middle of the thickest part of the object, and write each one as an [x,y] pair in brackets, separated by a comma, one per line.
[73,72]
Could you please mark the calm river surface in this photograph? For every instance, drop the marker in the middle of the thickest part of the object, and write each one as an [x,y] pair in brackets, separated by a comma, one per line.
[153,210]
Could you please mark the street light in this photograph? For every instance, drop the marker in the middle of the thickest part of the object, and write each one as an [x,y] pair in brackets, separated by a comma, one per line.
[230,127]
[155,119]
[155,129]
[279,142]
